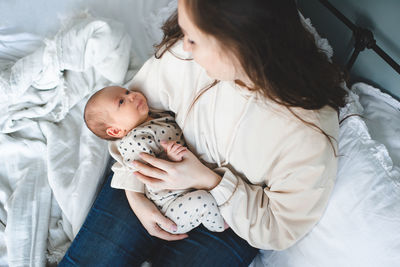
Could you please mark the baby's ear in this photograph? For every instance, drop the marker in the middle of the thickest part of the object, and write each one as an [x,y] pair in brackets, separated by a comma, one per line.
[115,132]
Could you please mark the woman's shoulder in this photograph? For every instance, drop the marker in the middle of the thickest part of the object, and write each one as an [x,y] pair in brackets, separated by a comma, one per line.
[270,112]
[266,115]
[171,67]
[176,51]
[168,82]
[271,135]
[325,118]
[278,128]
[175,54]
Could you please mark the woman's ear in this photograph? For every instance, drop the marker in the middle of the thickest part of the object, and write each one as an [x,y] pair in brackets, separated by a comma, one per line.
[115,132]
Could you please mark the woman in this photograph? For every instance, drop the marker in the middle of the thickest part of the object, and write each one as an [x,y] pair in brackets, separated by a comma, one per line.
[258,105]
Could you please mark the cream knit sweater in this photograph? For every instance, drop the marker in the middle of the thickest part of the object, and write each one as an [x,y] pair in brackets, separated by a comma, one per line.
[277,173]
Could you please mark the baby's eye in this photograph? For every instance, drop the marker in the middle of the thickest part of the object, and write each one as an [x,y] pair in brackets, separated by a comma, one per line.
[191,42]
[127,92]
[121,101]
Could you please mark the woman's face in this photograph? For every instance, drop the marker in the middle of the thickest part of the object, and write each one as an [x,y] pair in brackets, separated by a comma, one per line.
[206,50]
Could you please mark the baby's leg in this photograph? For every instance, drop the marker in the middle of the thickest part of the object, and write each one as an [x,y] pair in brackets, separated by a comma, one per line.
[193,208]
[174,150]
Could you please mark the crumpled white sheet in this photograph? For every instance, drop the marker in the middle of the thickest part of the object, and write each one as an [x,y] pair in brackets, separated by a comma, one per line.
[381,114]
[45,146]
[33,87]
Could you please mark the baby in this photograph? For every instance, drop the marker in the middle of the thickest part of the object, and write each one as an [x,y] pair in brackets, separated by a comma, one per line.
[122,116]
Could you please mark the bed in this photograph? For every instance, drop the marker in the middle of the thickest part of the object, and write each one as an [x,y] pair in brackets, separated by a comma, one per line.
[54,55]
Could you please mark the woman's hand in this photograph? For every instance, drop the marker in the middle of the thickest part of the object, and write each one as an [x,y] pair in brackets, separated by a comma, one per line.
[188,173]
[151,218]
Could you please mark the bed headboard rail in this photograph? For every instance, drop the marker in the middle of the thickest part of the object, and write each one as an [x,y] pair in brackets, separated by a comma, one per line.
[364,38]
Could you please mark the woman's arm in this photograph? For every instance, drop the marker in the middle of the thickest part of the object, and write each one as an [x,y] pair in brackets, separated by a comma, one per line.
[145,210]
[151,218]
[275,213]
[270,218]
[296,189]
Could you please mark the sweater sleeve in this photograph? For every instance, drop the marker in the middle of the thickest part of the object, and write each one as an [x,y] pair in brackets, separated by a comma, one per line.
[278,213]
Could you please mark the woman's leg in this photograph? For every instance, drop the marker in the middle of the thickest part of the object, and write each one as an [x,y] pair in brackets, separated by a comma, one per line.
[205,248]
[111,234]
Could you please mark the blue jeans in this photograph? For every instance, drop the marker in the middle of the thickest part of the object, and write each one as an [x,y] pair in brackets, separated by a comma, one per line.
[113,236]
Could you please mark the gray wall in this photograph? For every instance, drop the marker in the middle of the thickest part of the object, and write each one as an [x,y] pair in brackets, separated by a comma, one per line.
[382,17]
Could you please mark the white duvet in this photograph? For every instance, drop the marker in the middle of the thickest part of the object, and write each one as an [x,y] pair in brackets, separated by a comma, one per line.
[50,165]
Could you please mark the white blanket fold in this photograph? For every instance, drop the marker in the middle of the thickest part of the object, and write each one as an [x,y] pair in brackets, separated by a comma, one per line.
[34,87]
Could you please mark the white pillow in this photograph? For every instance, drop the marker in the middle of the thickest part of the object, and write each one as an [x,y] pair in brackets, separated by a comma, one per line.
[382,116]
[361,225]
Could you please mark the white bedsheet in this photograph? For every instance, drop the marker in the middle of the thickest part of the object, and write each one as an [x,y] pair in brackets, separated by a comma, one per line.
[381,113]
[51,165]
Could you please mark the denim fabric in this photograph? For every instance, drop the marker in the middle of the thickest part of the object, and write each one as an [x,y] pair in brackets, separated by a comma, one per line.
[113,236]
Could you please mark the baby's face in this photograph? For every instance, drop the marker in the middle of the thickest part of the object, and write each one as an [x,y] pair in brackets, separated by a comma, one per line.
[128,109]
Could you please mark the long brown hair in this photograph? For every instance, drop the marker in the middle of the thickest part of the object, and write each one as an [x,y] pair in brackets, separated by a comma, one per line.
[276,52]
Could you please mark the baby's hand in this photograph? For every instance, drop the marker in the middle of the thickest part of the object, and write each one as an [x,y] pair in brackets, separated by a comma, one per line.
[174,151]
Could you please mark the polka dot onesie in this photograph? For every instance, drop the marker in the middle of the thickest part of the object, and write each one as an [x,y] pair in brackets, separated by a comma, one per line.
[187,208]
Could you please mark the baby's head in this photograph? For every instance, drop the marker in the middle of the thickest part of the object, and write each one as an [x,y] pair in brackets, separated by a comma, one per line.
[114,111]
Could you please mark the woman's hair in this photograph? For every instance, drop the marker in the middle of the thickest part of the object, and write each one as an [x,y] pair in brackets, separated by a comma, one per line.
[274,49]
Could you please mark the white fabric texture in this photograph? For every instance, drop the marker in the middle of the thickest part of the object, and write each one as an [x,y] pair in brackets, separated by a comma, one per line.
[51,165]
[381,113]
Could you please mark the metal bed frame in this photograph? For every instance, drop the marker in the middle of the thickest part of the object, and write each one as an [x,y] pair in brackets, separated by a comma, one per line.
[363,37]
